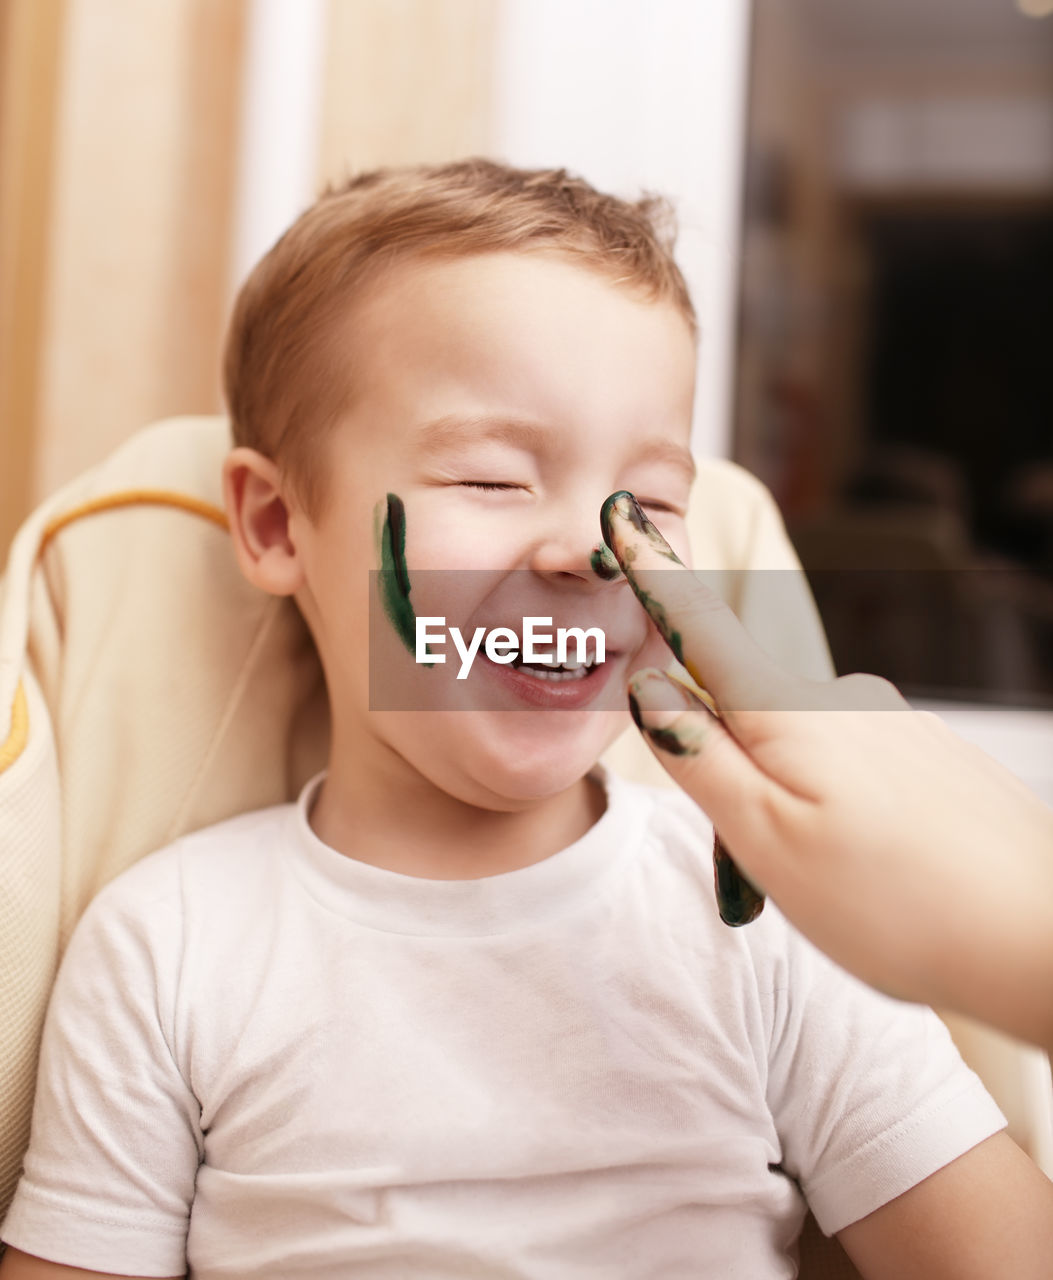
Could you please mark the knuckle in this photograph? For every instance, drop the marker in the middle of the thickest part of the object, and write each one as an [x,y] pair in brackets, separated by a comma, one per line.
[870,692]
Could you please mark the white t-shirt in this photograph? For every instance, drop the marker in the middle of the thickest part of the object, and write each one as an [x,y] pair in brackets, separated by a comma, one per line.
[263,1057]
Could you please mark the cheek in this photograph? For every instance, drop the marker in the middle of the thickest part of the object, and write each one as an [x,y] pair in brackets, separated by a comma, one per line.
[446,532]
[653,652]
[454,561]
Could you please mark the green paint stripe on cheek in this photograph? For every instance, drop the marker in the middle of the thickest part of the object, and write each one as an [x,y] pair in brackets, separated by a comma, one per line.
[394,575]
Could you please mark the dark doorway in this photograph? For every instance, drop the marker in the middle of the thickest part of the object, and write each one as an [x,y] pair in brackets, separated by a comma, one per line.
[960,363]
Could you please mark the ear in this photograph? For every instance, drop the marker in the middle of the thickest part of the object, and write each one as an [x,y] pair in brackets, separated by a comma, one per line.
[259,510]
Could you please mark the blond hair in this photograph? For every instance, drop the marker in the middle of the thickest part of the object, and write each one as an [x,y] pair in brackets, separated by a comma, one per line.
[283,384]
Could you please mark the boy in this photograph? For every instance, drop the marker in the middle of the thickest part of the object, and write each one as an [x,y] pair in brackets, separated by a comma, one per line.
[467,1009]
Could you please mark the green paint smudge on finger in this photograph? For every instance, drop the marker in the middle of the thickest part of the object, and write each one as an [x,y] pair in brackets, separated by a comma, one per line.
[660,619]
[625,506]
[737,900]
[681,738]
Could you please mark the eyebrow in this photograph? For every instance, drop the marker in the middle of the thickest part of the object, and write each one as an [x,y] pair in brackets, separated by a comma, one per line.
[453,431]
[658,449]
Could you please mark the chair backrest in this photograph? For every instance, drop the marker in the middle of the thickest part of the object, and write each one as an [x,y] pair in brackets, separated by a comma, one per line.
[145,690]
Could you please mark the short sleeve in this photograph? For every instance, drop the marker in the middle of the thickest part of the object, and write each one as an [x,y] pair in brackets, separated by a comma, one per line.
[116,1139]
[869,1094]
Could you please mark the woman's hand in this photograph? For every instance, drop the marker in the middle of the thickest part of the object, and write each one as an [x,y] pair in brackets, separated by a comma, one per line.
[906,854]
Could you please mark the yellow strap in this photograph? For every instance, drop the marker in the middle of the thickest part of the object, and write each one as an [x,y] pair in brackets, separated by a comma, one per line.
[16,740]
[19,735]
[132,498]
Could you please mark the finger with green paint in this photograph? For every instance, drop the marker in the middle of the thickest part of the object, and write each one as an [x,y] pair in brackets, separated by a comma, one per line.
[646,559]
[730,666]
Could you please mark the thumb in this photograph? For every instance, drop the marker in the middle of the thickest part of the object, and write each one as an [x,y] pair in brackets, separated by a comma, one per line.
[695,747]
[703,758]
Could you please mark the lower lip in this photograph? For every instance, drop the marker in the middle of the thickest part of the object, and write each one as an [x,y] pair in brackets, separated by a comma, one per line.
[568,695]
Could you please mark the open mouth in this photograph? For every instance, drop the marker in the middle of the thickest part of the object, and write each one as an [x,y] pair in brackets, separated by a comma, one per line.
[557,672]
[545,683]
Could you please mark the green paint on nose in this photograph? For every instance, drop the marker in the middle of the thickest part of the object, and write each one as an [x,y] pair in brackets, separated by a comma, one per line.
[604,564]
[394,576]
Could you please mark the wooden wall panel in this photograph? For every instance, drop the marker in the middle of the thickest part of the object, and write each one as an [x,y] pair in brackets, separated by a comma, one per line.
[124,154]
[30,57]
[140,233]
[406,81]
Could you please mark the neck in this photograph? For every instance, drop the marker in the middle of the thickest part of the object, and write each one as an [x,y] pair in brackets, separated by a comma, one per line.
[389,815]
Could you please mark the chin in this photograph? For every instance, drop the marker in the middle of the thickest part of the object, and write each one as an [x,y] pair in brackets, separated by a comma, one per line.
[514,758]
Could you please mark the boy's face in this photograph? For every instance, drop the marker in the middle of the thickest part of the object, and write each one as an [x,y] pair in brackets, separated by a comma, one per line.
[501,398]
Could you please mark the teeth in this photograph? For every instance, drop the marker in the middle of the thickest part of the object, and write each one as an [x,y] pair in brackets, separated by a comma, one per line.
[555,671]
[557,674]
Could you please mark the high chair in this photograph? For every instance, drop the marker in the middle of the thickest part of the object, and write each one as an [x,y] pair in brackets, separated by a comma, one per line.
[147,690]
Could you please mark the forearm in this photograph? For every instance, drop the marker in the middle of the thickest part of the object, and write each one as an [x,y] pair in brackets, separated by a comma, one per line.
[16,1265]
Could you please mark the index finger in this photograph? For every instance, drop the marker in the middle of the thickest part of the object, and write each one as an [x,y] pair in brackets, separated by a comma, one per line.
[701,630]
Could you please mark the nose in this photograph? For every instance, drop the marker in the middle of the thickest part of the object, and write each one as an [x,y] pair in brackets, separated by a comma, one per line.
[568,549]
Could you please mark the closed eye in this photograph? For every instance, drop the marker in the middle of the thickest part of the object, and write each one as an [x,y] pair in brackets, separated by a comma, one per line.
[655,505]
[489,486]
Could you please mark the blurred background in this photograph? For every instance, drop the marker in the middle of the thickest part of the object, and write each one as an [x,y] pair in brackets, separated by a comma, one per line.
[865,192]
[895,342]
[151,150]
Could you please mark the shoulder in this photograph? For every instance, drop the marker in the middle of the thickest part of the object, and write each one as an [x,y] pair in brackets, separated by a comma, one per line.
[221,861]
[188,910]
